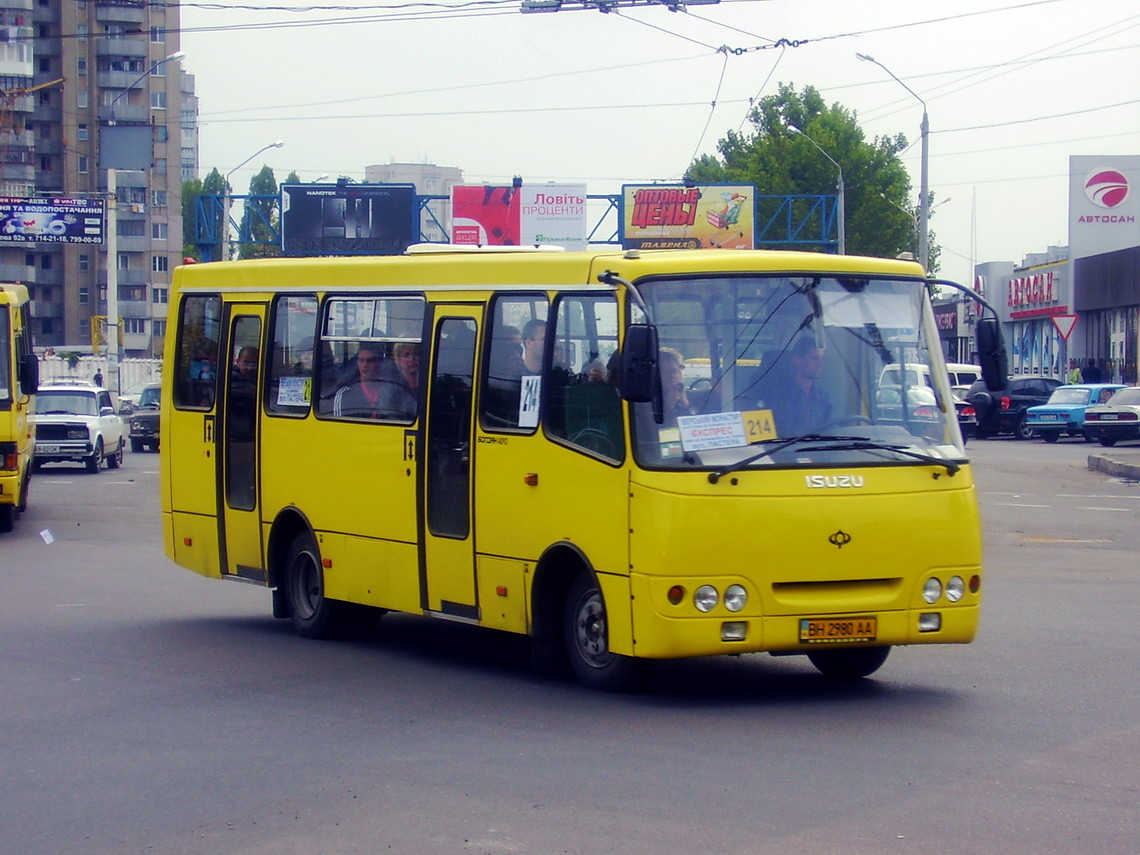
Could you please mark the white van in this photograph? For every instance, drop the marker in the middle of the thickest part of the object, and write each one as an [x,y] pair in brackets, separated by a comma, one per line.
[962,375]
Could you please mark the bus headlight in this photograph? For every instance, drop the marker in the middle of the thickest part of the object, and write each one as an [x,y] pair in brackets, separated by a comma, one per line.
[955,588]
[705,598]
[735,598]
[932,590]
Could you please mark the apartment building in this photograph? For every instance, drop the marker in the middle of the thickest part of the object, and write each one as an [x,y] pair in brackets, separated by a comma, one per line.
[90,85]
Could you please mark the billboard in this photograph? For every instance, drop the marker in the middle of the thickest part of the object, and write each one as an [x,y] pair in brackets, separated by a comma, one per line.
[348,219]
[519,215]
[485,215]
[1104,204]
[54,220]
[553,215]
[665,216]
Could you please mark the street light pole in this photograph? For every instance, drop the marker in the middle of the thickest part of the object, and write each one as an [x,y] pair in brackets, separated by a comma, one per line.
[227,199]
[842,203]
[924,174]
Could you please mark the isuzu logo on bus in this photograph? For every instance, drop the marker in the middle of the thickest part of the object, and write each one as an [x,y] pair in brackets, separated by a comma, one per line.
[817,481]
[1106,188]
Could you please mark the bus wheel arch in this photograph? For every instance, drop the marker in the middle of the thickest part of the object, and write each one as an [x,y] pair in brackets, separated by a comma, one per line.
[553,575]
[296,574]
[571,620]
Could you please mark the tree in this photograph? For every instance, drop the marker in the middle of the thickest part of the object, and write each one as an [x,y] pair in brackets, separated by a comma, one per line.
[191,190]
[260,218]
[879,219]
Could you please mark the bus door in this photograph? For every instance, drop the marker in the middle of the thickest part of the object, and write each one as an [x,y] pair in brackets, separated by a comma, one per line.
[239,519]
[447,567]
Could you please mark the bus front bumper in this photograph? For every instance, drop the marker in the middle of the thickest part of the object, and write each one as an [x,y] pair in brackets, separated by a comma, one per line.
[660,637]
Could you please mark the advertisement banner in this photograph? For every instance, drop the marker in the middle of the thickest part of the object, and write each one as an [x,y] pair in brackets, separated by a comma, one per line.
[553,215]
[485,215]
[348,219]
[1104,204]
[711,216]
[54,220]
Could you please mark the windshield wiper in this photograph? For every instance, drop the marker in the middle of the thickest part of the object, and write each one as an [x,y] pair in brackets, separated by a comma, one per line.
[781,443]
[951,466]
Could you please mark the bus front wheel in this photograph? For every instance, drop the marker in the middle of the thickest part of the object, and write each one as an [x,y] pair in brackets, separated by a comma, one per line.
[850,663]
[586,635]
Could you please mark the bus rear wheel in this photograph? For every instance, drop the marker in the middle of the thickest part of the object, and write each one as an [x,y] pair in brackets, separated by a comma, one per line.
[851,663]
[586,635]
[313,615]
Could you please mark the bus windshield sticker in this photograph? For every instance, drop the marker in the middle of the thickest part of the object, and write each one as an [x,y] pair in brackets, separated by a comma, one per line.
[712,430]
[528,400]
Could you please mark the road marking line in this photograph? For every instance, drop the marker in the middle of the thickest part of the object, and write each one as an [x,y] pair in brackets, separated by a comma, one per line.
[1063,540]
[1117,510]
[1096,496]
[1019,505]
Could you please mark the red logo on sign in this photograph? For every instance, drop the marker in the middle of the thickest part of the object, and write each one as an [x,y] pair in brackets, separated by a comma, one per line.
[1106,188]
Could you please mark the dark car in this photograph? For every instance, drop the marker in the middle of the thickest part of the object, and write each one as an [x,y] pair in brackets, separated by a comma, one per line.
[1005,411]
[144,420]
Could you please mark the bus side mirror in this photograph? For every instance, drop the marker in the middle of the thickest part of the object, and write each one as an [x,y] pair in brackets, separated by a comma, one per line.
[638,378]
[991,353]
[28,372]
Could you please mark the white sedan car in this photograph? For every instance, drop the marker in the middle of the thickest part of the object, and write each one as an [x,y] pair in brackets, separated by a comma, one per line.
[76,422]
[1117,419]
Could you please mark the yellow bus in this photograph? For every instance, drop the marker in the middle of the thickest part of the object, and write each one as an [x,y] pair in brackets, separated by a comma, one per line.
[507,439]
[19,379]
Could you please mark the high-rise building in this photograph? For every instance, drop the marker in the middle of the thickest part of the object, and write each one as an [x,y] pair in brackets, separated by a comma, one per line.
[90,85]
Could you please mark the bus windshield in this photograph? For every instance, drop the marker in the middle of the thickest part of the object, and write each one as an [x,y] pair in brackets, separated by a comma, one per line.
[789,371]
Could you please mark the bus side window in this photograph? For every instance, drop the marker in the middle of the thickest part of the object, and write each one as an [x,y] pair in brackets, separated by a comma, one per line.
[501,401]
[584,407]
[195,385]
[289,387]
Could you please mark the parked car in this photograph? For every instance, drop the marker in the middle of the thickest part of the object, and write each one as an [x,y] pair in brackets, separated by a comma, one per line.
[962,375]
[129,399]
[1115,420]
[921,406]
[144,420]
[967,418]
[1006,411]
[1065,410]
[76,421]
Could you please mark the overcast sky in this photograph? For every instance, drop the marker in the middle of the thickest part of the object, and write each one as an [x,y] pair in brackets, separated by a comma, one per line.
[1012,90]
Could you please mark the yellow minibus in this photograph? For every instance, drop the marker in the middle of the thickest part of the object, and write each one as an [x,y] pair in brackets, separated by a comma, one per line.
[508,438]
[19,378]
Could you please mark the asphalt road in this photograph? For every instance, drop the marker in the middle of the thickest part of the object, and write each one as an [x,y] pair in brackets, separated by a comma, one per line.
[147,710]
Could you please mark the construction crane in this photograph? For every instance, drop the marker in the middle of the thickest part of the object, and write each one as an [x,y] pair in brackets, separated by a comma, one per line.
[9,125]
[8,101]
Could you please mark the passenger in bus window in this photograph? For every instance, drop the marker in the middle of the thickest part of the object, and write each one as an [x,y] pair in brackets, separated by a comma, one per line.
[246,363]
[797,403]
[399,393]
[674,398]
[533,342]
[304,353]
[360,398]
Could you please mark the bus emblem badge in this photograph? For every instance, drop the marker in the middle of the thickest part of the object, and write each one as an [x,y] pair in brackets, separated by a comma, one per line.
[840,539]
